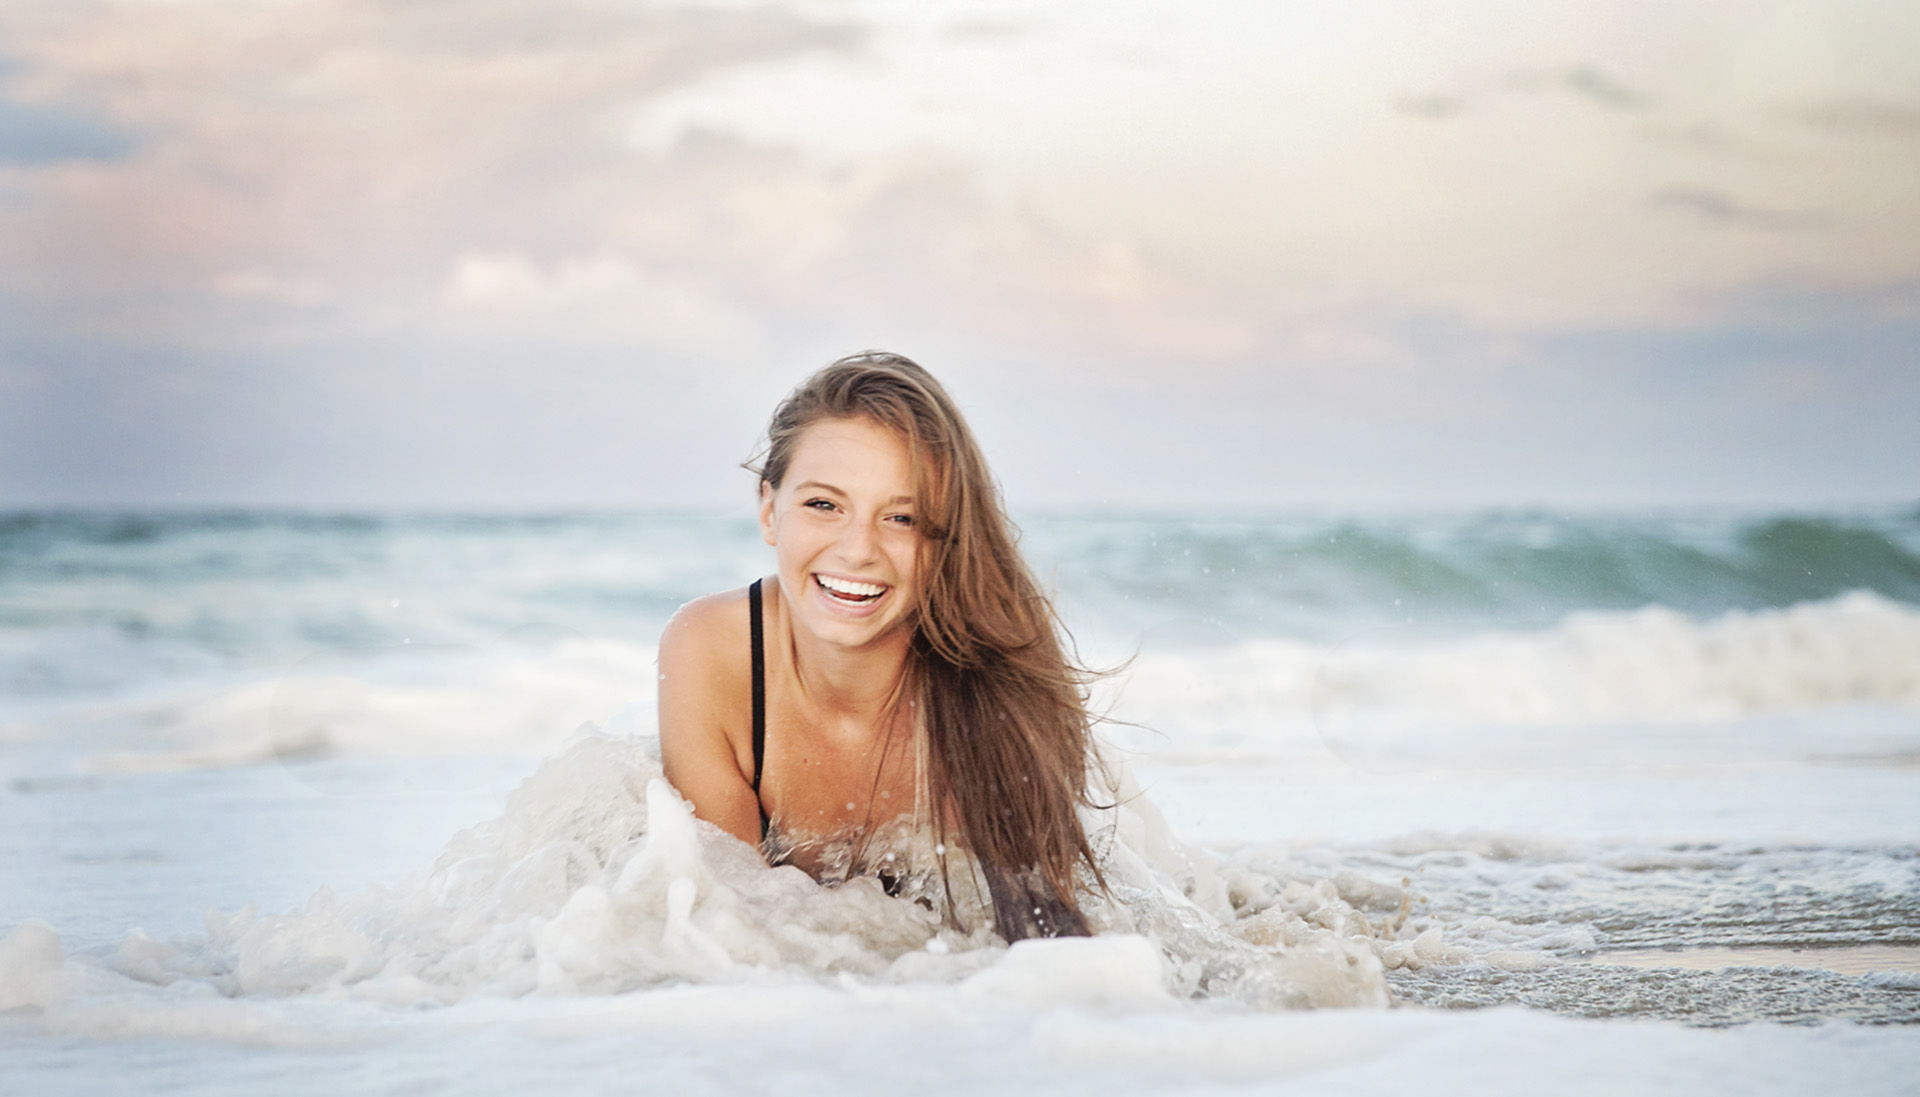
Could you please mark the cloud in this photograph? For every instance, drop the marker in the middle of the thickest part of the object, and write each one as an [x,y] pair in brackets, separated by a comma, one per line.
[1717,207]
[592,298]
[271,287]
[1705,137]
[358,145]
[984,30]
[1026,186]
[1584,82]
[1870,117]
[1598,87]
[1431,106]
[472,171]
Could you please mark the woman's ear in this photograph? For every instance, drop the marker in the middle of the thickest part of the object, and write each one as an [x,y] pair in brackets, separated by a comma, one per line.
[766,512]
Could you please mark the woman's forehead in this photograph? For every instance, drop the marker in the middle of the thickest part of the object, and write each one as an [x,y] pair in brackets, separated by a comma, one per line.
[853,453]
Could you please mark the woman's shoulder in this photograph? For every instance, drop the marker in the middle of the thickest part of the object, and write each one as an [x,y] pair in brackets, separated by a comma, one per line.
[705,698]
[708,630]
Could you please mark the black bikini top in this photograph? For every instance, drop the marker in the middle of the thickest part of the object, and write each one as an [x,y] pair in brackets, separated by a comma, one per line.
[759,699]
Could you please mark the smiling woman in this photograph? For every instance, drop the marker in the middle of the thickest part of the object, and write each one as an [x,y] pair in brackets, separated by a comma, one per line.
[896,697]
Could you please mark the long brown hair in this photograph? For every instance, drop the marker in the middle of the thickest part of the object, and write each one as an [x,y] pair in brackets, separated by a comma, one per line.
[1003,711]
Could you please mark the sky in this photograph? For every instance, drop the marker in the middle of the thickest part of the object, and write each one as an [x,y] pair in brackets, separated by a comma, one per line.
[509,254]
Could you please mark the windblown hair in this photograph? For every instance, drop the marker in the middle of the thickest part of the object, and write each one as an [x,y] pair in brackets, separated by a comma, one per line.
[1003,711]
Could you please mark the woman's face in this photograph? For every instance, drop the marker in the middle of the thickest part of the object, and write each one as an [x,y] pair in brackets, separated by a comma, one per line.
[842,526]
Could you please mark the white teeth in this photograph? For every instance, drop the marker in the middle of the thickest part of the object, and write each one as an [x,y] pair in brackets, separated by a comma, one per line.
[848,587]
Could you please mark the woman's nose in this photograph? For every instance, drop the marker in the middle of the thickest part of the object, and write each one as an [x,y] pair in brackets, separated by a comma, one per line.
[857,543]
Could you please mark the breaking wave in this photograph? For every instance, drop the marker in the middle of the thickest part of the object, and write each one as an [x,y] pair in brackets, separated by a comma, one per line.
[1647,665]
[1651,664]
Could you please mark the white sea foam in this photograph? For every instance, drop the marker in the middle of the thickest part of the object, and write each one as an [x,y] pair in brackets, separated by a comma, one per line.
[1651,664]
[31,960]
[418,703]
[1648,665]
[597,879]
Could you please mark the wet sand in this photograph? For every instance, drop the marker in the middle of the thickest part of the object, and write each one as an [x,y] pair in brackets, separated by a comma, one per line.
[1849,960]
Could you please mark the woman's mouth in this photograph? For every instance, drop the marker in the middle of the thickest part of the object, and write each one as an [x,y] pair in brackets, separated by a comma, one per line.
[850,592]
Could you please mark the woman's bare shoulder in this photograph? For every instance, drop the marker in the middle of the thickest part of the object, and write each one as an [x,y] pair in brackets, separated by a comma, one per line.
[706,685]
[707,635]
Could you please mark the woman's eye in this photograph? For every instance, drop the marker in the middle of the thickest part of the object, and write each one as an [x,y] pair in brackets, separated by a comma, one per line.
[819,504]
[901,519]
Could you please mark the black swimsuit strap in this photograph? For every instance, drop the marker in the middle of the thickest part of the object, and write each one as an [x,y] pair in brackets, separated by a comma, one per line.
[759,696]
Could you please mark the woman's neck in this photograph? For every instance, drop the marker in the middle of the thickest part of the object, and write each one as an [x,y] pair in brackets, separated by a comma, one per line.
[861,683]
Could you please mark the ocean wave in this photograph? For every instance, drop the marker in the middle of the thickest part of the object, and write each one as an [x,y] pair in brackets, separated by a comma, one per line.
[1650,664]
[99,602]
[404,703]
[1325,578]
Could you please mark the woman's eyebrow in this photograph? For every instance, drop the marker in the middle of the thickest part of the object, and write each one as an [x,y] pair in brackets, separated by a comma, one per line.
[815,485]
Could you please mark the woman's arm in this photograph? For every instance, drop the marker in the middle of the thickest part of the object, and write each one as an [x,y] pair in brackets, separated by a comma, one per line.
[706,712]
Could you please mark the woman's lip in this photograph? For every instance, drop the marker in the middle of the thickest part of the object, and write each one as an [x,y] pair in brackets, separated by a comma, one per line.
[852,609]
[837,577]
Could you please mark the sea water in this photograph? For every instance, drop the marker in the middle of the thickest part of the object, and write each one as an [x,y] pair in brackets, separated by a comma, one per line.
[277,788]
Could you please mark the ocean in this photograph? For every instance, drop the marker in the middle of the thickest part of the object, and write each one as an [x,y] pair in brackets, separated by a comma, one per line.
[1514,801]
